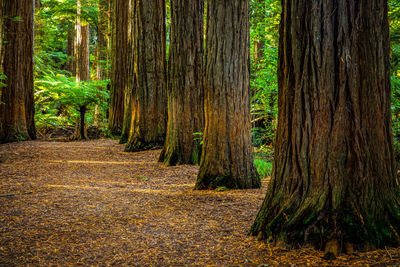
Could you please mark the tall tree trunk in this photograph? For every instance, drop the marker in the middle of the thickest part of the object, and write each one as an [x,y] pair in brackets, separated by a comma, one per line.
[81,51]
[118,66]
[185,92]
[102,48]
[102,40]
[70,50]
[130,81]
[334,178]
[17,102]
[149,117]
[227,158]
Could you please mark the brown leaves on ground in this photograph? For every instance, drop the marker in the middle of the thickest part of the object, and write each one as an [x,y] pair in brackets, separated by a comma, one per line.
[89,203]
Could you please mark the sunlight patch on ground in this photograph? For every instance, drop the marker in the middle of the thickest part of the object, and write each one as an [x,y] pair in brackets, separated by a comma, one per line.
[100,162]
[137,190]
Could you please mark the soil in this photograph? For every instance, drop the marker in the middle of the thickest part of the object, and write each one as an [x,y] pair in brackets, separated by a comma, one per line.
[90,203]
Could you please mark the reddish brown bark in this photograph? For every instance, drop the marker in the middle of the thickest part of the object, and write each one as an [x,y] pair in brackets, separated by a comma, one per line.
[227,158]
[185,92]
[148,100]
[118,66]
[17,102]
[334,178]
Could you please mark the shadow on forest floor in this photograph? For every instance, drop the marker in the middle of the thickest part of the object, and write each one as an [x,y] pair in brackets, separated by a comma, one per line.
[90,203]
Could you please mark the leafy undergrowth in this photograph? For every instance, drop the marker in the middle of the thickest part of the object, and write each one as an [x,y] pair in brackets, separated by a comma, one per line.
[90,203]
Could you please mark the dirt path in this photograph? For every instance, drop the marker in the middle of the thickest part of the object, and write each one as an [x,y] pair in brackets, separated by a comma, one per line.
[90,203]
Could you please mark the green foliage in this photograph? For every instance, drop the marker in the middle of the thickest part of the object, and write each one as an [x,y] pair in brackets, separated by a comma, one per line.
[58,98]
[264,17]
[264,167]
[221,189]
[3,77]
[199,137]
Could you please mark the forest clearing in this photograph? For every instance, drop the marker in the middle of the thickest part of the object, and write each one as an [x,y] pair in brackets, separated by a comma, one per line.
[90,203]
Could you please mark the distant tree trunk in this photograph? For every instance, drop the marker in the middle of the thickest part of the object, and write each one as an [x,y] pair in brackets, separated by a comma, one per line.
[38,31]
[118,66]
[70,50]
[82,62]
[130,81]
[259,43]
[227,158]
[334,180]
[185,92]
[17,102]
[149,105]
[102,40]
[102,47]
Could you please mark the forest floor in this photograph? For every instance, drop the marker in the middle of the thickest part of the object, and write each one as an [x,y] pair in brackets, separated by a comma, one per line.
[90,203]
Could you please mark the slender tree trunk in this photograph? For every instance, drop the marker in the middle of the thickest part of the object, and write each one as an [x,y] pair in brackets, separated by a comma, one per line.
[149,117]
[102,40]
[334,179]
[82,62]
[185,92]
[227,158]
[17,102]
[102,48]
[118,66]
[70,50]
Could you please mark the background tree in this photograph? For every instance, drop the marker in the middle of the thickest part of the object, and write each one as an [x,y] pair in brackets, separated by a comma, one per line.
[119,59]
[17,102]
[81,50]
[185,92]
[149,116]
[334,178]
[227,158]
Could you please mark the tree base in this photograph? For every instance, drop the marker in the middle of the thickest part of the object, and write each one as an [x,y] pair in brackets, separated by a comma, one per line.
[15,138]
[343,230]
[211,182]
[173,157]
[139,145]
[124,139]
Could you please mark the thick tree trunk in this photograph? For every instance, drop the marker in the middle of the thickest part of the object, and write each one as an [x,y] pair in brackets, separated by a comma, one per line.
[227,158]
[81,51]
[118,66]
[17,102]
[334,179]
[185,92]
[130,81]
[149,117]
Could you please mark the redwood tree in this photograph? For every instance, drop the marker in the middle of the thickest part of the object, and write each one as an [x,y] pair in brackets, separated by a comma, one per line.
[81,54]
[17,102]
[334,181]
[227,158]
[148,100]
[118,65]
[185,90]
[130,80]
